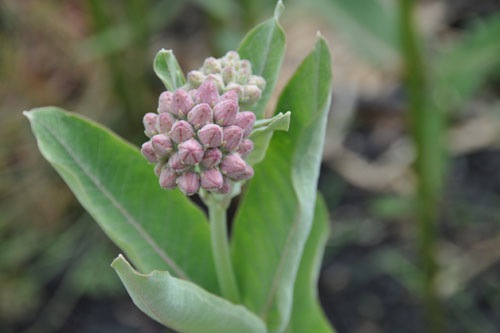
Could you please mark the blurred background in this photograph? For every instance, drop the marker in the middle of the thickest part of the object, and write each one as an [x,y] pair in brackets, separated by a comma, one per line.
[411,168]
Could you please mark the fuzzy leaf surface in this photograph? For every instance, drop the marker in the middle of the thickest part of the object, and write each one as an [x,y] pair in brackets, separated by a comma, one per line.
[157,229]
[276,212]
[307,315]
[184,306]
[264,46]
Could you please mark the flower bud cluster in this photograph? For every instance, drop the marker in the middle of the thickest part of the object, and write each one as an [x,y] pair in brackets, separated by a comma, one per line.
[230,73]
[199,139]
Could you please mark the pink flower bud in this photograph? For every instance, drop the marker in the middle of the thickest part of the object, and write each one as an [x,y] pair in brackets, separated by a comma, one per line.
[207,93]
[189,183]
[210,135]
[233,166]
[211,158]
[228,75]
[229,95]
[190,152]
[165,122]
[181,103]
[149,121]
[162,145]
[226,186]
[211,179]
[148,152]
[200,115]
[217,79]
[245,120]
[195,78]
[175,163]
[225,112]
[232,137]
[236,87]
[165,102]
[251,94]
[181,131]
[211,65]
[246,146]
[168,177]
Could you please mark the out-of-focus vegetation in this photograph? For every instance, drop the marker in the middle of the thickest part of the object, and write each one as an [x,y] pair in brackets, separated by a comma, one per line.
[410,170]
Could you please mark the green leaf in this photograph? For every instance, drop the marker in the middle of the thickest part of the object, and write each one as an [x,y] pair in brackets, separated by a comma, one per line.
[462,68]
[262,134]
[307,315]
[278,207]
[264,46]
[184,306]
[168,70]
[157,229]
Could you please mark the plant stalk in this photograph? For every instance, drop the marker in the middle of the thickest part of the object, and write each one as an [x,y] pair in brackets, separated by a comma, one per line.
[220,249]
[427,131]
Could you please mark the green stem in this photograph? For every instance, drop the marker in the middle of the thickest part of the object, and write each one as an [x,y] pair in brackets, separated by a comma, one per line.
[220,249]
[427,132]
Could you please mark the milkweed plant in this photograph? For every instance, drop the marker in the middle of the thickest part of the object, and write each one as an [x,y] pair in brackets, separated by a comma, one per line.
[209,137]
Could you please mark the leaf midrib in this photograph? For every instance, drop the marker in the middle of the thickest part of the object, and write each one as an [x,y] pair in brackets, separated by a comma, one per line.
[117,205]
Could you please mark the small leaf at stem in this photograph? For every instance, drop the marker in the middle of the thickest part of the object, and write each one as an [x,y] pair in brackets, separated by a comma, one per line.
[168,70]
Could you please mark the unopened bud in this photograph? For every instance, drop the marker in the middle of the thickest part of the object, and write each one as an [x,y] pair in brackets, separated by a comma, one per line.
[200,115]
[175,163]
[162,145]
[189,183]
[181,103]
[195,78]
[217,79]
[211,65]
[232,136]
[226,186]
[225,112]
[181,131]
[246,146]
[231,59]
[245,120]
[207,93]
[251,94]
[148,152]
[165,122]
[233,166]
[236,87]
[210,135]
[245,71]
[165,102]
[257,81]
[149,121]
[168,177]
[228,74]
[190,152]
[211,158]
[231,95]
[211,179]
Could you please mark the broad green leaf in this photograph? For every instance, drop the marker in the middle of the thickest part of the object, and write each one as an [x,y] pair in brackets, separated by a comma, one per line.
[157,229]
[370,27]
[184,306]
[262,134]
[462,68]
[278,207]
[168,70]
[307,315]
[264,46]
